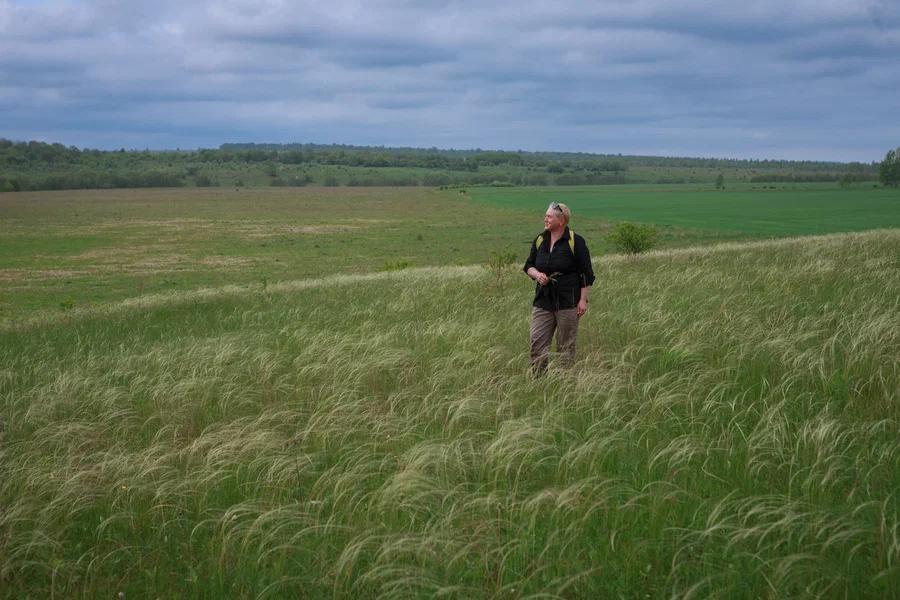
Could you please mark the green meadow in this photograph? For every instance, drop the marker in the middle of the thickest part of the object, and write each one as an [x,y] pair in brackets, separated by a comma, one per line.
[78,248]
[75,249]
[323,393]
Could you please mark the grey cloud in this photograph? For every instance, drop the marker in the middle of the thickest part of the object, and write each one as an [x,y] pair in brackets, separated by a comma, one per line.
[703,77]
[45,22]
[390,55]
[847,43]
[402,103]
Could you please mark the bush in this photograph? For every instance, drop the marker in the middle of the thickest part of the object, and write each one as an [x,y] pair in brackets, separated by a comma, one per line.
[203,180]
[633,238]
[395,265]
[499,262]
[9,185]
[436,179]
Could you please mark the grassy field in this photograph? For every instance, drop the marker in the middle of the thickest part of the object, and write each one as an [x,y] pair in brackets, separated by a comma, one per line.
[78,249]
[730,430]
[75,249]
[233,392]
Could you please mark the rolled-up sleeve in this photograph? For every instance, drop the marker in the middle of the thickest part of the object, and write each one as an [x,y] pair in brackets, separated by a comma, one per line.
[583,260]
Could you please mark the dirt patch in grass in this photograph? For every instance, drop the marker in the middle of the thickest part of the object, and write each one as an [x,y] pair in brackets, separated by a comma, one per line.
[180,262]
[118,256]
[265,230]
[138,260]
[238,229]
[226,262]
[166,224]
[24,275]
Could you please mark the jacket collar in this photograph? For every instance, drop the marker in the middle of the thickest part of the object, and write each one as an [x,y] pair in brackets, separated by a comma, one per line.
[564,236]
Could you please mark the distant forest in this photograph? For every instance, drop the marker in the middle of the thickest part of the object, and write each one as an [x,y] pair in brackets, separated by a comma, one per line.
[40,166]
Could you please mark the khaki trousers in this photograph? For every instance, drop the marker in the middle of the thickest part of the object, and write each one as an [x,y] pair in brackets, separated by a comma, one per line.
[543,325]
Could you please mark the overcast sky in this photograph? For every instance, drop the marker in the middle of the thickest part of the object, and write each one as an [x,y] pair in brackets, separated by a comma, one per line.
[797,79]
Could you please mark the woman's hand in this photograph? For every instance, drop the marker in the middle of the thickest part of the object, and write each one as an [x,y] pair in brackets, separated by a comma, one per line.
[581,308]
[538,276]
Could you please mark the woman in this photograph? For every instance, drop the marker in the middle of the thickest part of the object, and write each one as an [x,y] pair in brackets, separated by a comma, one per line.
[560,263]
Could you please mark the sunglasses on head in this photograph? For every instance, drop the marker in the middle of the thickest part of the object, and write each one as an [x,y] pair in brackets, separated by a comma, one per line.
[556,206]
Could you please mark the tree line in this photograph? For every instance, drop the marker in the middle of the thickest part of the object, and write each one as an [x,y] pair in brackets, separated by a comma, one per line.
[355,155]
[43,166]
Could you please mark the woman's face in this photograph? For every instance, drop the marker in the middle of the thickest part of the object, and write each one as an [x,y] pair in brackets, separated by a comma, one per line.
[553,219]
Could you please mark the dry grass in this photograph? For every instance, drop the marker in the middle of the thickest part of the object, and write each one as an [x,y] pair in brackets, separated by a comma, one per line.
[14,276]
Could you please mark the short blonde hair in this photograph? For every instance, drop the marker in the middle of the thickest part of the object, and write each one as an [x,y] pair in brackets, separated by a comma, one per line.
[566,213]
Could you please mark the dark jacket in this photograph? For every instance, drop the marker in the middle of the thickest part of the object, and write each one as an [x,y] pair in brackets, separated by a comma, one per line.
[568,272]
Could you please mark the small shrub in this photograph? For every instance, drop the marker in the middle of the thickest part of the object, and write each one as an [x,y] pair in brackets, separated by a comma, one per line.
[633,238]
[499,262]
[436,179]
[395,265]
[203,180]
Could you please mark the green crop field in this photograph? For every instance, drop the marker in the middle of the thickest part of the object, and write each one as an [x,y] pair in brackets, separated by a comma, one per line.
[233,393]
[746,210]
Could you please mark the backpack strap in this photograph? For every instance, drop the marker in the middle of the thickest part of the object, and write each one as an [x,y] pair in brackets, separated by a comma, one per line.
[540,240]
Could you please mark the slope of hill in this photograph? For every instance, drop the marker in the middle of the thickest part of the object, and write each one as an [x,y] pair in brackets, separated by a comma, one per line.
[730,429]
